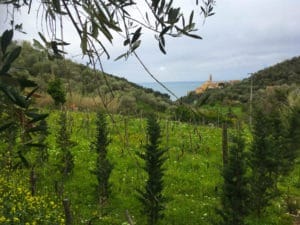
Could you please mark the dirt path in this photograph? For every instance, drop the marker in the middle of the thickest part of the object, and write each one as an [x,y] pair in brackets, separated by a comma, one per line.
[296,221]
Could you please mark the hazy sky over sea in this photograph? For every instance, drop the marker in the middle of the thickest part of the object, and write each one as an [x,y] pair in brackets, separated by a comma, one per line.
[242,37]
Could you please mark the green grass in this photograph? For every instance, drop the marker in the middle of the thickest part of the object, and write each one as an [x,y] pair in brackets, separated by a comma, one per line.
[191,177]
[192,172]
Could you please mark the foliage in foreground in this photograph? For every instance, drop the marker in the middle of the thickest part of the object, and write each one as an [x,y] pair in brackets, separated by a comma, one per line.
[55,89]
[274,149]
[18,206]
[64,143]
[103,165]
[189,144]
[192,181]
[151,197]
[235,193]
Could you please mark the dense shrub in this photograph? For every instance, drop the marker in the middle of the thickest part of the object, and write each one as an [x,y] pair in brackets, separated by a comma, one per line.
[55,89]
[18,206]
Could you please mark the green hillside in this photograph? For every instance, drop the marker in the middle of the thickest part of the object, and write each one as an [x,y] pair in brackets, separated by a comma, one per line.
[86,88]
[63,164]
[284,73]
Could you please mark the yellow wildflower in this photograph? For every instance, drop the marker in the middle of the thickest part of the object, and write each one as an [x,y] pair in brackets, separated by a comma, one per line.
[2,219]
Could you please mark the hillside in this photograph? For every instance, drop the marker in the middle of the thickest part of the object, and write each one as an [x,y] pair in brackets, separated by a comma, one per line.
[86,88]
[284,73]
[61,166]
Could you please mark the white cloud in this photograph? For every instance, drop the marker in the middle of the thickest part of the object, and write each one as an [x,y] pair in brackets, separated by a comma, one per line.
[243,36]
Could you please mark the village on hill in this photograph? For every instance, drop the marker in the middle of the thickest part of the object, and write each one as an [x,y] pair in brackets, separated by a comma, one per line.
[210,84]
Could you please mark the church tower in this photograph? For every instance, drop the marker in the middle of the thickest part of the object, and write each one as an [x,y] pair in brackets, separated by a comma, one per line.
[210,78]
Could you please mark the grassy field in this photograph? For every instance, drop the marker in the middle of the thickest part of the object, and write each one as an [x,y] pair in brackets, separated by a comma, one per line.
[192,180]
[192,168]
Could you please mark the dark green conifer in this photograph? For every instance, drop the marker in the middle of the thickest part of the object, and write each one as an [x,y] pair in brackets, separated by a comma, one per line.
[43,155]
[272,153]
[293,121]
[262,159]
[151,197]
[235,191]
[56,90]
[224,144]
[103,165]
[65,144]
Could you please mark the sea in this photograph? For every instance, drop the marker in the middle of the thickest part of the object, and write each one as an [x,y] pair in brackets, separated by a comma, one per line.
[180,89]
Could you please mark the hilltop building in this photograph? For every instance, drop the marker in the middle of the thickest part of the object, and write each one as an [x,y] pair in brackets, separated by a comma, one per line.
[210,84]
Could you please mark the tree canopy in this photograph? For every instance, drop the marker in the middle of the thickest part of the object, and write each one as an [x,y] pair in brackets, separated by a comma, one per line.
[97,22]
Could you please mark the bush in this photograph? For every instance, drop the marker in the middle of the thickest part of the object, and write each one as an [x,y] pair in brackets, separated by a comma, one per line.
[18,206]
[55,89]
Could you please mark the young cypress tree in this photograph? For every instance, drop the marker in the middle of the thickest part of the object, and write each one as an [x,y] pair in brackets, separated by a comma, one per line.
[65,144]
[272,152]
[224,144]
[152,198]
[103,165]
[56,90]
[262,159]
[235,192]
[293,121]
[43,155]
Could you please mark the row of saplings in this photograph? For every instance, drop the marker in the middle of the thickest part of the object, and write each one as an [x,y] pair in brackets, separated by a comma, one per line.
[151,197]
[28,158]
[250,174]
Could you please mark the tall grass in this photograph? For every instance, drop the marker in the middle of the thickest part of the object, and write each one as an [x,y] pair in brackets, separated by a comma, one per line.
[192,172]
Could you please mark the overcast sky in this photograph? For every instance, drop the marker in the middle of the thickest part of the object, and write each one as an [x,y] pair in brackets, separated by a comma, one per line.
[243,36]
